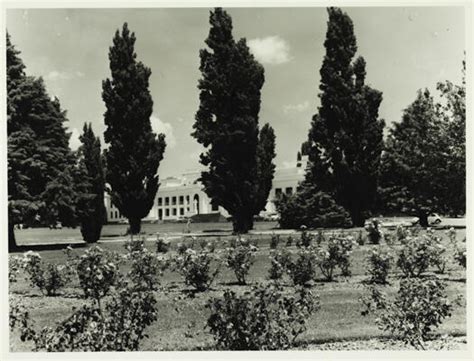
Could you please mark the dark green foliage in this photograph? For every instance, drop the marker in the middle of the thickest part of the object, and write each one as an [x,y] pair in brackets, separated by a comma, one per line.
[346,136]
[413,174]
[40,163]
[238,156]
[134,152]
[312,208]
[91,183]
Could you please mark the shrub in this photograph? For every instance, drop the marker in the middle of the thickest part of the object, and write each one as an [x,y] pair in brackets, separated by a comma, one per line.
[195,267]
[48,277]
[274,241]
[263,318]
[134,244]
[401,233]
[311,207]
[98,272]
[360,238]
[374,233]
[240,258]
[182,247]
[379,262]
[162,245]
[336,254]
[15,265]
[419,306]
[280,260]
[303,268]
[460,256]
[451,233]
[146,268]
[289,241]
[119,326]
[306,238]
[419,253]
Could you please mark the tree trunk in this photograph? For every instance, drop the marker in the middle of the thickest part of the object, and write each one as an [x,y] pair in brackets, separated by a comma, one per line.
[423,217]
[357,218]
[242,223]
[12,246]
[135,225]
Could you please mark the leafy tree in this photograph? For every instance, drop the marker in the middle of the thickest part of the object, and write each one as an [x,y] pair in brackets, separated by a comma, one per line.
[91,183]
[312,208]
[239,159]
[40,162]
[453,112]
[134,152]
[413,160]
[346,136]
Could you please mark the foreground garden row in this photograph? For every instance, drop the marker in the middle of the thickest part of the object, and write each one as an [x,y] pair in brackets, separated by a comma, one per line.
[275,293]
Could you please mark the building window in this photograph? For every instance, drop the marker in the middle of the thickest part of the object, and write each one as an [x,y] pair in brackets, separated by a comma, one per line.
[174,212]
[188,209]
[160,201]
[214,207]
[187,199]
[288,190]
[167,212]
[111,214]
[181,200]
[116,214]
[167,201]
[277,192]
[181,211]
[173,201]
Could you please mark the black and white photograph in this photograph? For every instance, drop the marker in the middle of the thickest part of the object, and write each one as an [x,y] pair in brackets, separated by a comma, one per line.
[236,177]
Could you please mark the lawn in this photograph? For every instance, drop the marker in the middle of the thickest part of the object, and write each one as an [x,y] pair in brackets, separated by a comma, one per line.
[182,318]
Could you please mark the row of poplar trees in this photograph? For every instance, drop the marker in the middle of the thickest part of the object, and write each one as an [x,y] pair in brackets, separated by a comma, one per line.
[351,172]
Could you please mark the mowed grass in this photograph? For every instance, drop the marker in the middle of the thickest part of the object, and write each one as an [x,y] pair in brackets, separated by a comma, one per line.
[182,316]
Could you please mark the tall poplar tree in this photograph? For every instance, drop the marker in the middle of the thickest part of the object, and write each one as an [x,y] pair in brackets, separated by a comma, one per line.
[91,183]
[227,125]
[135,151]
[346,137]
[40,163]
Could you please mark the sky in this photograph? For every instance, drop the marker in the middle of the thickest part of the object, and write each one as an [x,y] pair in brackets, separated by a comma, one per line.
[405,48]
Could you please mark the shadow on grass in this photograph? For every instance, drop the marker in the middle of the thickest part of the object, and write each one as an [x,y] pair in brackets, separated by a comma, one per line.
[48,247]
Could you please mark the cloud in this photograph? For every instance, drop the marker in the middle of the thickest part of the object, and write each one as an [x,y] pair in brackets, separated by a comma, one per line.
[160,126]
[296,107]
[62,75]
[74,142]
[270,50]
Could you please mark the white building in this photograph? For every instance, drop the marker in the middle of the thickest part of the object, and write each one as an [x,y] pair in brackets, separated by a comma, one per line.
[182,196]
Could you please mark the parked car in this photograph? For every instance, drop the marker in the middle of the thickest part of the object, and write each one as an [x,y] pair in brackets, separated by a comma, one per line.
[434,218]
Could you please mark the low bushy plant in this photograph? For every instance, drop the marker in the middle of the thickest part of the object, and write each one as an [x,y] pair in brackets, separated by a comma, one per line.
[240,258]
[263,318]
[420,306]
[118,326]
[302,269]
[15,265]
[279,262]
[306,238]
[162,245]
[289,241]
[360,238]
[146,268]
[98,272]
[195,267]
[374,233]
[401,233]
[48,277]
[460,256]
[378,265]
[274,241]
[335,254]
[419,253]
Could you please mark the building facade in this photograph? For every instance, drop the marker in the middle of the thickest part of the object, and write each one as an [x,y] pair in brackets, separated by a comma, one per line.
[183,196]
